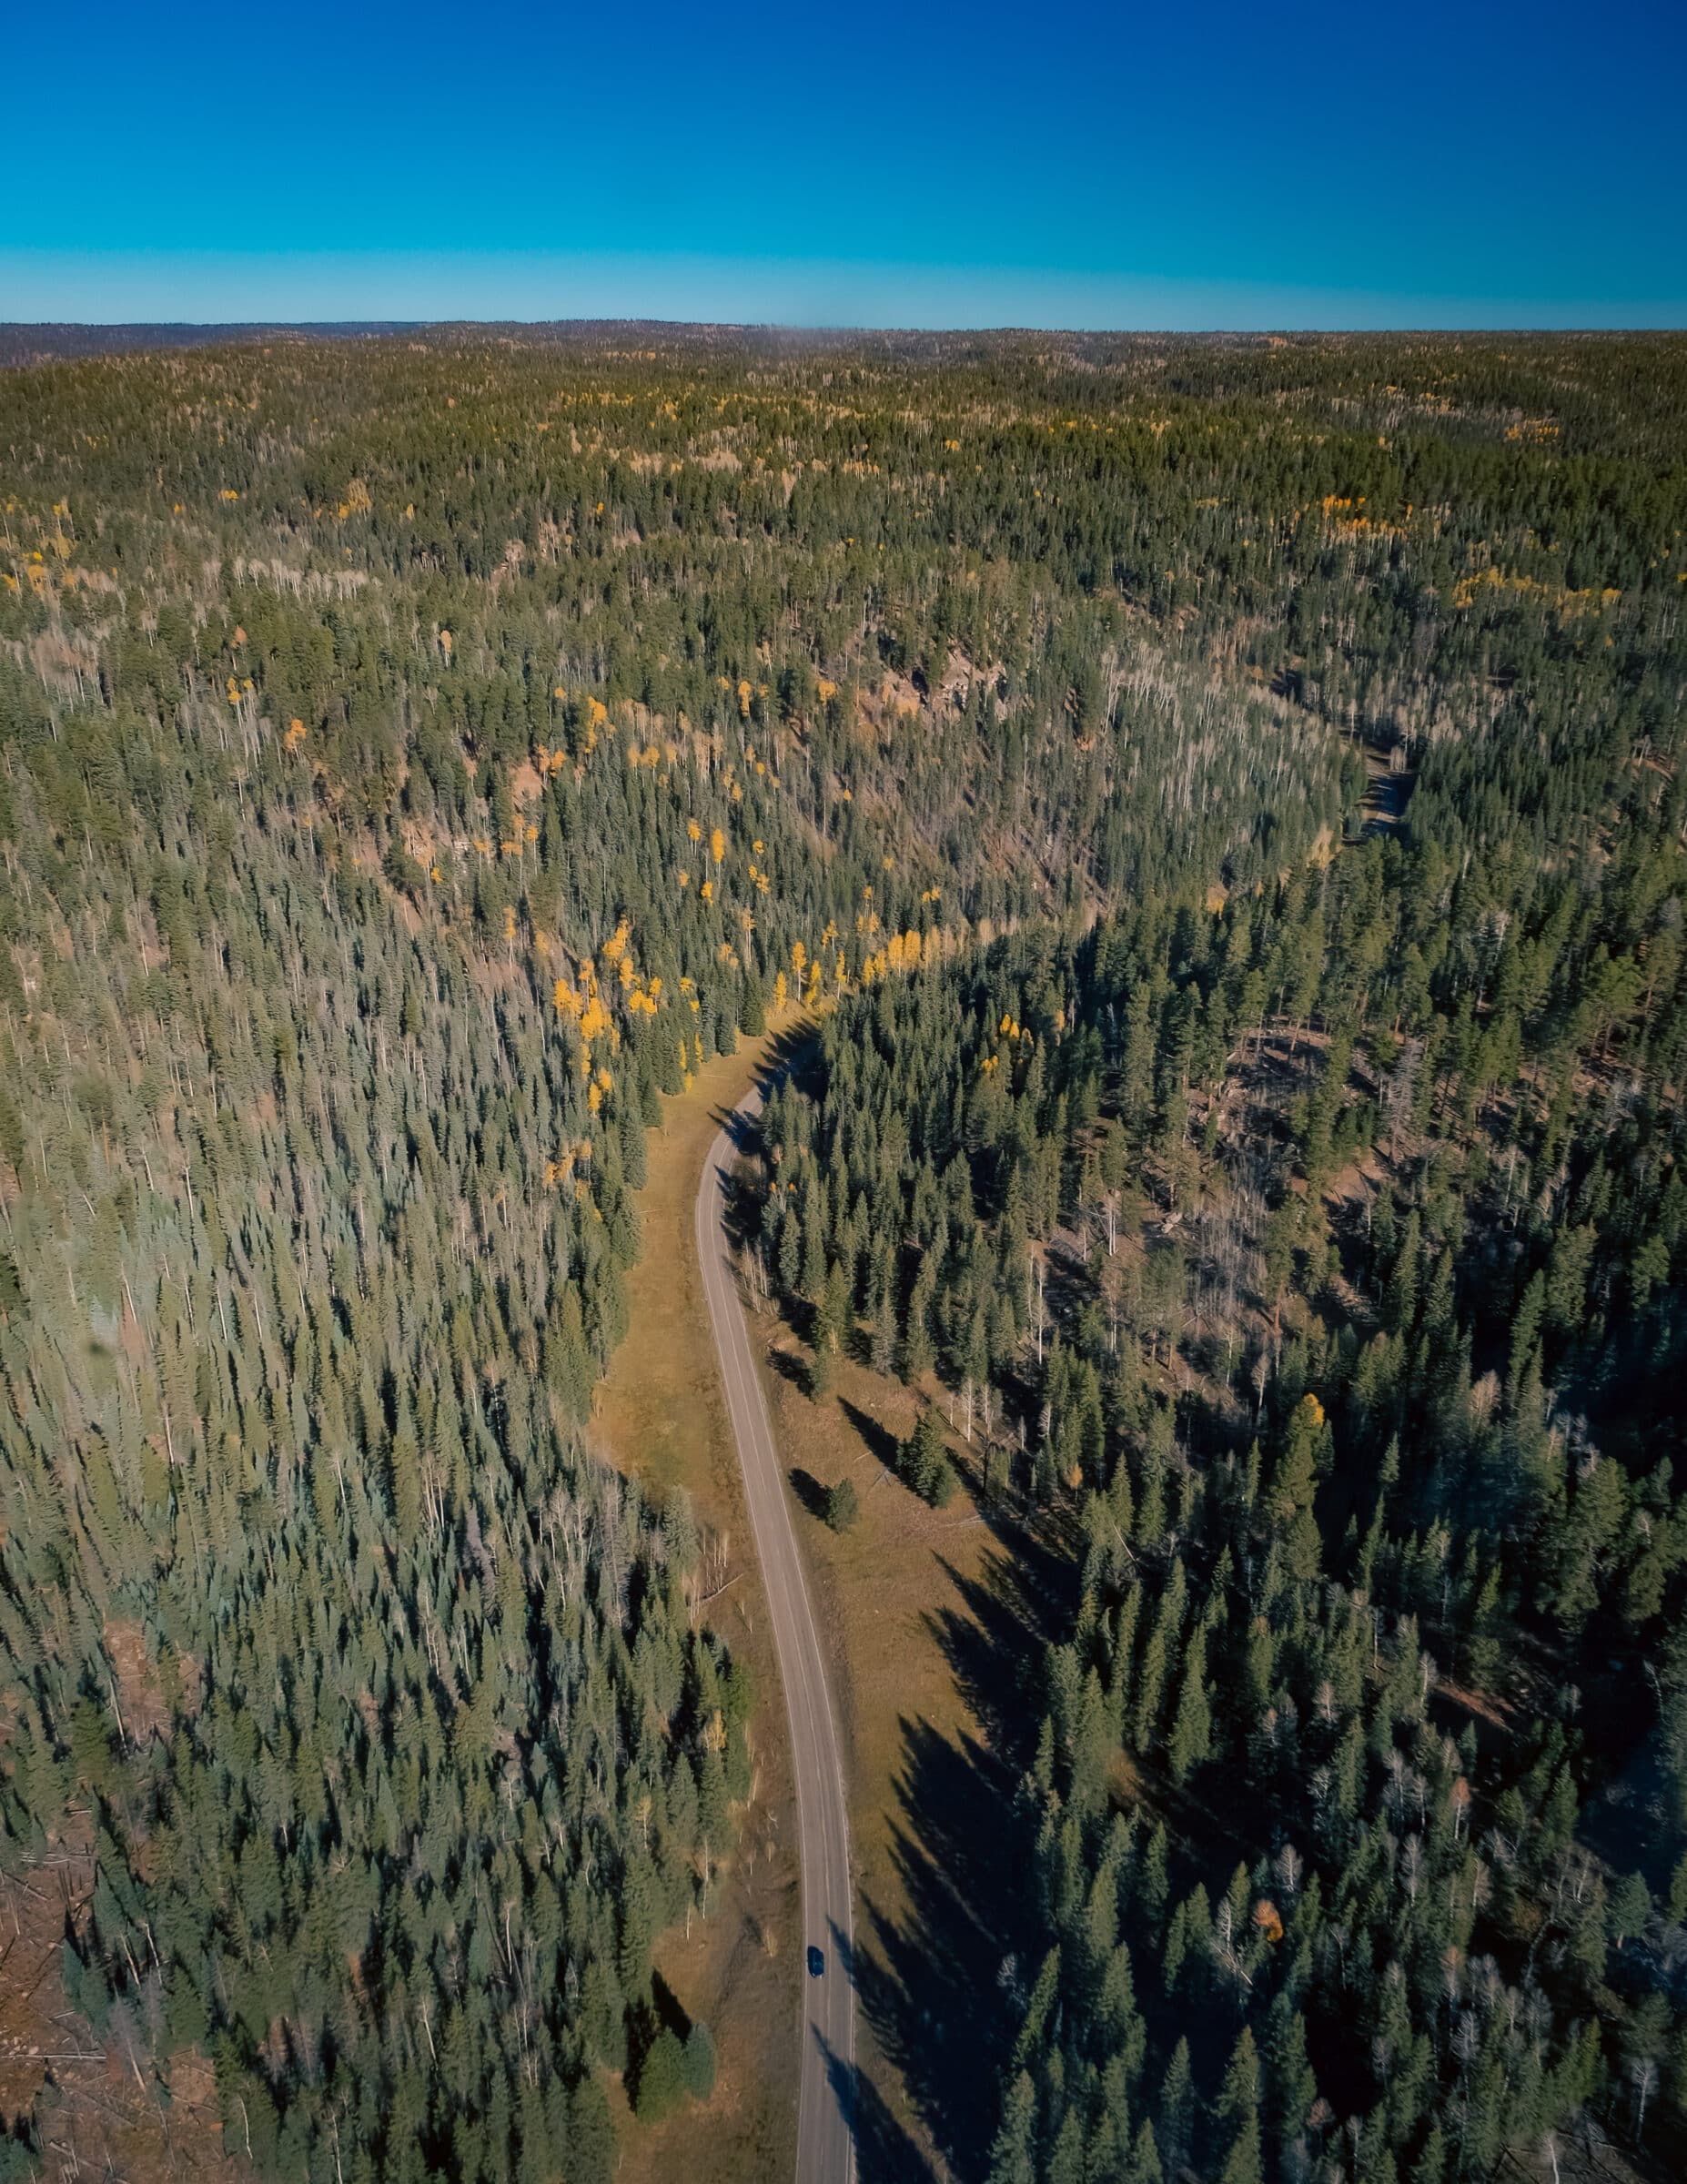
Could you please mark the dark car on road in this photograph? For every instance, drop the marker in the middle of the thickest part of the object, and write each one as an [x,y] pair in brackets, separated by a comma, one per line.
[816,1961]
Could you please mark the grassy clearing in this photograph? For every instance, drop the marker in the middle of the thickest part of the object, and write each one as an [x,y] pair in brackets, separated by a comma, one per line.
[896,1596]
[661,1418]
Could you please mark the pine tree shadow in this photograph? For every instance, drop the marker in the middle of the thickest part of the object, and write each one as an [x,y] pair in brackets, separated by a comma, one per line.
[942,1976]
[885,2152]
[789,1367]
[808,1491]
[1017,1605]
[792,1054]
[881,1442]
[930,1979]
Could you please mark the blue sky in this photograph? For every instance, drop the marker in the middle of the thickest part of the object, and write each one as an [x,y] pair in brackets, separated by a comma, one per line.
[1228,164]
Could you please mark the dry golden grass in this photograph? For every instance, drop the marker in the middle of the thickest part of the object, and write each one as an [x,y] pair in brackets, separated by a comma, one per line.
[660,1413]
[882,1591]
[661,1418]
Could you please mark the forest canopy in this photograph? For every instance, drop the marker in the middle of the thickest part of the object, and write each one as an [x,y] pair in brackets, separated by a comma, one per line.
[1220,805]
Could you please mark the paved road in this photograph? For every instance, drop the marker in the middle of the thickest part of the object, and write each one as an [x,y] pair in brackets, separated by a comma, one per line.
[825,2149]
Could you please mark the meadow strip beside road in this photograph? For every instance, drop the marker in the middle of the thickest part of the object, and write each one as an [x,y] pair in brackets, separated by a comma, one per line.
[825,2149]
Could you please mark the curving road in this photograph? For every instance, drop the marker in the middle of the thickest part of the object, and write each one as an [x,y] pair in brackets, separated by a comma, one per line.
[826,2147]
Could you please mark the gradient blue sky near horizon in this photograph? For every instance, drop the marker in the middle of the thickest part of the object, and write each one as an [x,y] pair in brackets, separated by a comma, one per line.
[1302,163]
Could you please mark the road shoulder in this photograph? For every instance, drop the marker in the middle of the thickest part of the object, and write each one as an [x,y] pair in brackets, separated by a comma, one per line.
[661,1419]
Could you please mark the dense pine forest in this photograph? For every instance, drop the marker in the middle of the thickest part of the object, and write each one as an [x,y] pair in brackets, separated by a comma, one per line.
[1213,814]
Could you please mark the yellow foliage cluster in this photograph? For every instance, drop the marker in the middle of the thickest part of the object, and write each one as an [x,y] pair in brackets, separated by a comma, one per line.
[559,1169]
[583,1004]
[1528,586]
[1340,511]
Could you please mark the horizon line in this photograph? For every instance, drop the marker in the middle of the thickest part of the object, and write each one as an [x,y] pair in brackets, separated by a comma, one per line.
[1291,329]
[408,289]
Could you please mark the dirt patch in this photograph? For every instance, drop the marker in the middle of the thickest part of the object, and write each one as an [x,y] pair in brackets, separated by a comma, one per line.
[96,2101]
[145,1705]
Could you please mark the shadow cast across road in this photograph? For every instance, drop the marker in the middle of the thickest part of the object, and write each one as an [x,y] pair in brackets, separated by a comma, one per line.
[941,1975]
